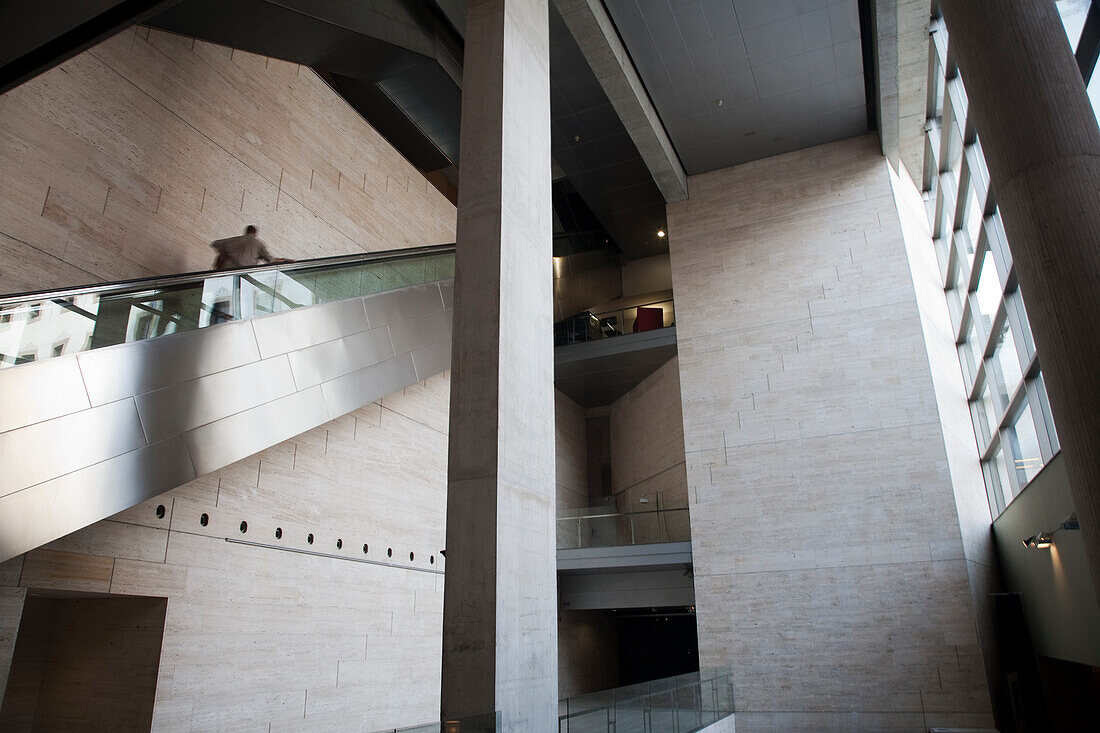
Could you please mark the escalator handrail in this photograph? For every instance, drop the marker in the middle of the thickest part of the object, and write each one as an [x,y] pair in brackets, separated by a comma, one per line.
[163,281]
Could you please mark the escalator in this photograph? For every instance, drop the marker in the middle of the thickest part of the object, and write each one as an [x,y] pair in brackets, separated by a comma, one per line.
[113,394]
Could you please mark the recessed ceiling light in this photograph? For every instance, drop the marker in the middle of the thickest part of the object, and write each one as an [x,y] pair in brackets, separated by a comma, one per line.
[720,102]
[576,138]
[660,232]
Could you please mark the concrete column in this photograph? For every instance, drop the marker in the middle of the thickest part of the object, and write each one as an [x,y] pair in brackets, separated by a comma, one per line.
[499,616]
[1041,141]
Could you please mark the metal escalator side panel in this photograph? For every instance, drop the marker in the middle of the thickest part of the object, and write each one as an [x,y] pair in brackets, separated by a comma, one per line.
[189,404]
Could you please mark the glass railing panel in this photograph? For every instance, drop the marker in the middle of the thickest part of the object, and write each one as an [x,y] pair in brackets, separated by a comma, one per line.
[631,716]
[678,704]
[662,710]
[578,529]
[589,721]
[38,326]
[594,326]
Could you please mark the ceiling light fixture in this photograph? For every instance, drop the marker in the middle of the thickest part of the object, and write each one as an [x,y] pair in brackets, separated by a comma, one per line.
[660,232]
[720,102]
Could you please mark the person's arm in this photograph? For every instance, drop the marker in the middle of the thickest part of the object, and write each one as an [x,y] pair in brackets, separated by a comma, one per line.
[264,255]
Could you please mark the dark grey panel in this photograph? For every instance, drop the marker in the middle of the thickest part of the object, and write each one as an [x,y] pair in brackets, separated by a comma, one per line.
[599,372]
[590,144]
[789,73]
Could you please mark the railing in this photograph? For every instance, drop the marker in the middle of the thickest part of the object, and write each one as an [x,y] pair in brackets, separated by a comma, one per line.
[42,325]
[679,704]
[593,326]
[623,318]
[486,723]
[592,527]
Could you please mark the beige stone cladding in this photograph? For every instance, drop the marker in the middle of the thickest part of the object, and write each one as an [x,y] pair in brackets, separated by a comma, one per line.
[130,158]
[647,443]
[257,636]
[571,469]
[829,569]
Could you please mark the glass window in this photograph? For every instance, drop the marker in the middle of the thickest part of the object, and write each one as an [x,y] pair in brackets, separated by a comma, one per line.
[973,219]
[989,291]
[986,415]
[1023,444]
[1005,364]
[955,150]
[1073,14]
[970,350]
[1094,94]
[1000,469]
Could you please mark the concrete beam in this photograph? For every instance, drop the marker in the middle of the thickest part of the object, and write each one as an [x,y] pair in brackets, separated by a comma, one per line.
[900,36]
[594,32]
[500,649]
[912,81]
[884,36]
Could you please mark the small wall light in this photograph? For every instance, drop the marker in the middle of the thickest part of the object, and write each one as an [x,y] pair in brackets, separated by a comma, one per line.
[1043,540]
[660,232]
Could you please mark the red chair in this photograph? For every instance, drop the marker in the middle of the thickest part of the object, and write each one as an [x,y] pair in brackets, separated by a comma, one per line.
[649,319]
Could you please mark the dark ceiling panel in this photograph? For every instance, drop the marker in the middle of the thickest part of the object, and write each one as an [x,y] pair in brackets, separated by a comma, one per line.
[265,28]
[390,121]
[428,97]
[592,147]
[597,373]
[35,37]
[737,80]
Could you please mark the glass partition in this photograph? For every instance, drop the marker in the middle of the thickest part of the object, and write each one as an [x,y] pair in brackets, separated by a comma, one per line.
[37,326]
[593,325]
[594,527]
[678,704]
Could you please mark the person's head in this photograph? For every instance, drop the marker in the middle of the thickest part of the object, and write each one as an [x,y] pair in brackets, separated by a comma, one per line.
[250,229]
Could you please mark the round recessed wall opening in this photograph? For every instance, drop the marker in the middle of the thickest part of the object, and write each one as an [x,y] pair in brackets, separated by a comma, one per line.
[278,533]
[309,538]
[411,557]
[365,548]
[204,519]
[160,511]
[339,544]
[389,552]
[244,527]
[431,560]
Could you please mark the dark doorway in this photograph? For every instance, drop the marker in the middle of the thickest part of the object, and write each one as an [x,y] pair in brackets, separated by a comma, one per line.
[85,663]
[656,643]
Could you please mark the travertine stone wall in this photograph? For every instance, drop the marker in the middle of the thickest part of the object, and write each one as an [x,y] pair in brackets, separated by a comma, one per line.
[126,161]
[129,159]
[829,567]
[256,636]
[572,453]
[647,443]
